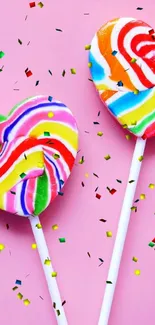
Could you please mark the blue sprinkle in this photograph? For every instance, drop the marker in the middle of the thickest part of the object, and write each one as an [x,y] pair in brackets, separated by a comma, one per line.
[50,98]
[114,52]
[19,282]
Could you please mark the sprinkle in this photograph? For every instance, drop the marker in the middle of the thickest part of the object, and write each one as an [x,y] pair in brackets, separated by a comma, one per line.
[107,157]
[22,175]
[90,79]
[96,189]
[132,181]
[103,220]
[100,259]
[100,134]
[137,272]
[50,72]
[19,282]
[2,247]
[47,262]
[96,123]
[41,297]
[120,83]
[64,302]
[40,4]
[128,136]
[89,64]
[136,92]
[88,254]
[135,259]
[87,47]
[139,8]
[58,30]
[13,192]
[19,41]
[34,246]
[60,193]
[50,98]
[14,288]
[134,208]
[58,312]
[151,186]
[1,54]
[108,282]
[81,161]
[136,201]
[98,196]
[47,134]
[86,175]
[54,305]
[62,240]
[133,60]
[26,302]
[153,240]
[7,226]
[54,274]
[82,184]
[151,244]
[109,234]
[113,191]
[32,4]
[142,196]
[61,182]
[55,227]
[73,71]
[28,73]
[37,83]
[25,156]
[38,225]
[20,296]
[151,31]
[95,175]
[114,53]
[63,73]
[119,181]
[140,158]
[56,156]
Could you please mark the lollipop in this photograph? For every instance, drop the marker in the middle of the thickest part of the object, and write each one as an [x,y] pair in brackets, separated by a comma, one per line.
[38,141]
[122,65]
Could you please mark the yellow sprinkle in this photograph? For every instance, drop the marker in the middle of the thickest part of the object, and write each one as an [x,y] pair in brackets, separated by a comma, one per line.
[50,114]
[136,92]
[40,4]
[86,175]
[100,133]
[134,208]
[133,60]
[128,136]
[124,126]
[56,156]
[1,247]
[40,165]
[142,197]
[26,302]
[89,64]
[135,259]
[55,227]
[140,158]
[151,186]
[137,272]
[107,157]
[20,296]
[134,123]
[73,71]
[39,226]
[54,274]
[34,246]
[47,262]
[87,47]
[109,234]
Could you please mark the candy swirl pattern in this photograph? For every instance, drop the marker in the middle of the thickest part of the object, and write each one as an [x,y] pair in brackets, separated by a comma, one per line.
[39,141]
[122,65]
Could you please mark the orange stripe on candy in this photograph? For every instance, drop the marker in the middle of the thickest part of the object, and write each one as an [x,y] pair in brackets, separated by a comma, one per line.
[107,94]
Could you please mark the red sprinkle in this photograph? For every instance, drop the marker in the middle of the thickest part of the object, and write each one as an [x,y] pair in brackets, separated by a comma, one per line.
[112,191]
[28,73]
[153,240]
[32,4]
[98,196]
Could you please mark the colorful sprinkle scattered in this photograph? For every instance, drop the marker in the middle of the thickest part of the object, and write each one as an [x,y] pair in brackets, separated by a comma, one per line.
[19,282]
[2,247]
[26,302]
[1,54]
[87,47]
[62,240]
[54,274]
[38,225]
[55,227]
[109,234]
[98,196]
[73,71]
[140,158]
[137,272]
[151,186]
[34,246]
[135,259]
[142,196]
[47,262]
[40,4]
[107,157]
[58,30]
[100,134]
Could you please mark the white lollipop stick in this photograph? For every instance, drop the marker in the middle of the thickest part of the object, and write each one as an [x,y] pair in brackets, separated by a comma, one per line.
[48,269]
[121,232]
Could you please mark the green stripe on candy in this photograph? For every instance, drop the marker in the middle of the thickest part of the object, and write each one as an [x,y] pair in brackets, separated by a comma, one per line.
[41,198]
[2,118]
[19,104]
[138,128]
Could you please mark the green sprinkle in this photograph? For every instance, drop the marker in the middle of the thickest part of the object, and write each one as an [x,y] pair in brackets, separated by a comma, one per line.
[1,54]
[22,175]
[151,244]
[47,134]
[62,240]
[56,156]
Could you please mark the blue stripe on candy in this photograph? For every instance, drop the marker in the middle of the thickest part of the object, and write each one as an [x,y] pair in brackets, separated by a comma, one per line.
[11,126]
[129,100]
[56,170]
[22,198]
[96,70]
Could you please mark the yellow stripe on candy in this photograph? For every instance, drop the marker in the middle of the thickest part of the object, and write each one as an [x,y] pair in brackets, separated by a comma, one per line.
[2,202]
[57,129]
[26,165]
[137,114]
[102,87]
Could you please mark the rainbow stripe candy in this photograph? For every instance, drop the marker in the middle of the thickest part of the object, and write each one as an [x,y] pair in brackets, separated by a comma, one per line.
[39,141]
[122,58]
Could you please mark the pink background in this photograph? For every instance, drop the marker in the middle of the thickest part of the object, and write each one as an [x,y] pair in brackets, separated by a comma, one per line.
[77,213]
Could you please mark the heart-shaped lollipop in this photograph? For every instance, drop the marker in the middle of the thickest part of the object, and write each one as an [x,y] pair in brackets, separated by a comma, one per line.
[38,147]
[38,141]
[122,65]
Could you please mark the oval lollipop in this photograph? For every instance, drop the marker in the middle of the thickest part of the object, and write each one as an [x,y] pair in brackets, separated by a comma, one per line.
[39,141]
[122,65]
[122,58]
